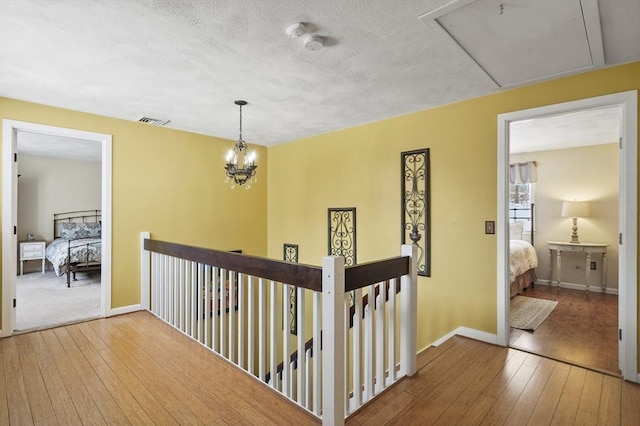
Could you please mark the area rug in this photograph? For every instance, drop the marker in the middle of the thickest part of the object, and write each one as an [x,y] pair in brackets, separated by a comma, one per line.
[44,301]
[527,313]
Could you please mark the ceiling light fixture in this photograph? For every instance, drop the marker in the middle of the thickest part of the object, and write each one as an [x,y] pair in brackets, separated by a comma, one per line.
[241,164]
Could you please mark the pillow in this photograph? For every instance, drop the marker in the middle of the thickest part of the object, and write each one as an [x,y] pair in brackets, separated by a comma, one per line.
[515,230]
[76,230]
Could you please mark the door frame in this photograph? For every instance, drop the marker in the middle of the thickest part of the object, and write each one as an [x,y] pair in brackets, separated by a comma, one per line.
[10,129]
[627,218]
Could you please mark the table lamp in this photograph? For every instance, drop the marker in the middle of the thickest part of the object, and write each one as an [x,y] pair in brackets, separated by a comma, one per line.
[574,210]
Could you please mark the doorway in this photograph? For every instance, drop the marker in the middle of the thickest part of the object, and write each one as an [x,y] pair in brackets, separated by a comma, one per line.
[11,131]
[627,261]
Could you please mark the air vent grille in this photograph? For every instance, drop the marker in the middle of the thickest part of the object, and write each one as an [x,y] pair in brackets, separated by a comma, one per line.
[153,121]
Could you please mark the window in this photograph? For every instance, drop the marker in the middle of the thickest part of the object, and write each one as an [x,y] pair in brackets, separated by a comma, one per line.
[521,198]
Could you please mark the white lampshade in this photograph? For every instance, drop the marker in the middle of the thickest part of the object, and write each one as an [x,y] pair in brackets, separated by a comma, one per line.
[575,209]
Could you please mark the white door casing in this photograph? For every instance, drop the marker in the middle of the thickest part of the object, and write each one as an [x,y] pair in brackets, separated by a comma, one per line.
[10,129]
[628,219]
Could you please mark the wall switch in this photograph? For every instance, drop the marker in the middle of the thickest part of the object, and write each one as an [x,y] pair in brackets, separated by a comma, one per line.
[593,266]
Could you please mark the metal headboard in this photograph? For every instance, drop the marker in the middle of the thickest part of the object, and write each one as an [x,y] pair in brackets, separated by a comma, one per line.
[75,216]
[515,217]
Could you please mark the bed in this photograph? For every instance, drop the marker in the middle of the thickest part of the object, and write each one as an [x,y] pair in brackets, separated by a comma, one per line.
[523,259]
[77,244]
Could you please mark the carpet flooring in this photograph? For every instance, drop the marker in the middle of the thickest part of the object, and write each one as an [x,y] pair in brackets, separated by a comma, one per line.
[44,301]
[527,313]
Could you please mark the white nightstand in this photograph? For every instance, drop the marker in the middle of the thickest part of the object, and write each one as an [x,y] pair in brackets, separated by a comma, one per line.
[31,250]
[586,248]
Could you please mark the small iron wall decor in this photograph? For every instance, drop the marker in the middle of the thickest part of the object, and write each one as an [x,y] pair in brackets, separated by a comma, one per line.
[290,254]
[342,234]
[416,225]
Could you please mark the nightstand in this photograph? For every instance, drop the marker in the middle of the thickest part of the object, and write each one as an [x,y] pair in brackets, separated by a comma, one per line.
[31,250]
[586,248]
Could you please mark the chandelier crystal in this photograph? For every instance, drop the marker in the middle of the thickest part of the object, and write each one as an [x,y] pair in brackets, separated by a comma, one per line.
[241,164]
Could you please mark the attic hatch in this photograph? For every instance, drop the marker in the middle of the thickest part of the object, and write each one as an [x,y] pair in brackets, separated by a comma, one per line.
[521,41]
[153,121]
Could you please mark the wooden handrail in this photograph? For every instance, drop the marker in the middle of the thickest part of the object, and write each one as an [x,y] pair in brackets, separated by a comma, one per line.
[365,274]
[297,274]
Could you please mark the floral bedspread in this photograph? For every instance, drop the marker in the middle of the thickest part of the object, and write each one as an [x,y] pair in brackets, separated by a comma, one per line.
[82,250]
[522,258]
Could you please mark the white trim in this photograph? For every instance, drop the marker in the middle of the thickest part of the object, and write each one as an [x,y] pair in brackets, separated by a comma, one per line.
[575,286]
[628,251]
[9,212]
[125,310]
[471,333]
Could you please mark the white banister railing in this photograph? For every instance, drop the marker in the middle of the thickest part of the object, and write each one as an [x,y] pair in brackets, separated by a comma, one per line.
[346,349]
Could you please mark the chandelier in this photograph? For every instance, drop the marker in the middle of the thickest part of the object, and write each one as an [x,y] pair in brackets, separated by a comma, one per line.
[241,164]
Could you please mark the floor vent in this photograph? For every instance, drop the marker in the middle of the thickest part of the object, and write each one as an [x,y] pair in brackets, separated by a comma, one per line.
[153,121]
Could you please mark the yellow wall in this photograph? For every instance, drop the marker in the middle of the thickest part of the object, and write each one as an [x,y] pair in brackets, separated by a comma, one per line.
[167,182]
[170,183]
[360,167]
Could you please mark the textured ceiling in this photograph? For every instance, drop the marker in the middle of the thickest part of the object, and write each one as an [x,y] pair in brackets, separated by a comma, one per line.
[187,61]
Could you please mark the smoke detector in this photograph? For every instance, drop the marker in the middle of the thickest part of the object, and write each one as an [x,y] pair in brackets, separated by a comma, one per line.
[296,30]
[313,42]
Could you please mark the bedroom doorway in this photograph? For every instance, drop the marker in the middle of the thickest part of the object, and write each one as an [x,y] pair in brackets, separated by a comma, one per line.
[627,219]
[95,288]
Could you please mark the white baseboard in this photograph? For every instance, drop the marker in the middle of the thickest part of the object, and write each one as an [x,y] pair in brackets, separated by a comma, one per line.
[574,286]
[124,310]
[471,333]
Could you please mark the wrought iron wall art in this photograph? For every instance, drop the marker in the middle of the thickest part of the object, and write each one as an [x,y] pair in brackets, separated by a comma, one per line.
[342,234]
[416,215]
[290,254]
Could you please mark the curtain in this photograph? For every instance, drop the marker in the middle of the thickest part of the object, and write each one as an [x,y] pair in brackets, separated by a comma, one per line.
[523,172]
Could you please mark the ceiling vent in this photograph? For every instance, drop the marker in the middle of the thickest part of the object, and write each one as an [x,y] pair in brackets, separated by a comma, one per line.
[153,121]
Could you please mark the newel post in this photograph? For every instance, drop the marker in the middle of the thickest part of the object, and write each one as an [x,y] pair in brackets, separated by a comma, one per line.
[409,312]
[145,272]
[333,331]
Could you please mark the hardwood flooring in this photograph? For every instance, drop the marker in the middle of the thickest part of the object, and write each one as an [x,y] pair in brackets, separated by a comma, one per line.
[581,330]
[129,369]
[467,382]
[135,369]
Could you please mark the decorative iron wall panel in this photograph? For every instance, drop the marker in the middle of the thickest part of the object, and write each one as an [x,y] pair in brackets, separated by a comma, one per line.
[416,216]
[342,234]
[290,254]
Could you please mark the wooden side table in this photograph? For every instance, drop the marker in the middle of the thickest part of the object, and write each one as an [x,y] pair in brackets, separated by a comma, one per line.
[586,248]
[31,250]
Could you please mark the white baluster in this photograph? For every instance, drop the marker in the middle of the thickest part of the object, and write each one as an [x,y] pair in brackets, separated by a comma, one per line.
[251,332]
[380,306]
[273,340]
[286,339]
[392,331]
[357,348]
[241,321]
[302,362]
[317,353]
[262,329]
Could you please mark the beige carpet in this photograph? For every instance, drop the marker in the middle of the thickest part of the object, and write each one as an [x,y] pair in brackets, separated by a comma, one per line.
[527,313]
[44,301]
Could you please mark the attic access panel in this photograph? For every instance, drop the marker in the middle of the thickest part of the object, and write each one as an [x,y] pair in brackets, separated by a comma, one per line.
[520,41]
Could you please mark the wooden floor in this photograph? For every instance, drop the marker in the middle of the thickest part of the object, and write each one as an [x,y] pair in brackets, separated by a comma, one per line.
[129,369]
[467,382]
[581,330]
[134,369]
